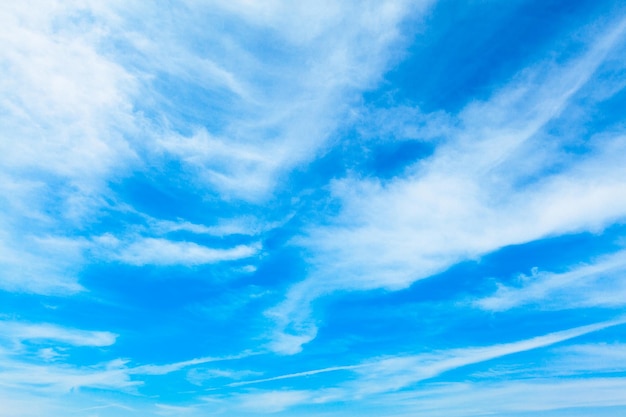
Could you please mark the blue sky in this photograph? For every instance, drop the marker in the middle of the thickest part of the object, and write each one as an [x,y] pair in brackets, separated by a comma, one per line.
[313,208]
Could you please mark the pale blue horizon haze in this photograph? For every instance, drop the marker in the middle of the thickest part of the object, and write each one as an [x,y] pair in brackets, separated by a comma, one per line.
[313,208]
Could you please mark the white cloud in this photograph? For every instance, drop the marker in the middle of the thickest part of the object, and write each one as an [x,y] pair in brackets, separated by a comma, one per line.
[247,226]
[42,265]
[50,354]
[589,358]
[374,380]
[64,111]
[484,187]
[299,374]
[599,284]
[381,380]
[404,123]
[177,366]
[65,105]
[574,397]
[20,331]
[584,360]
[33,364]
[62,378]
[199,377]
[395,373]
[272,401]
[88,403]
[82,106]
[158,251]
[323,57]
[19,405]
[169,410]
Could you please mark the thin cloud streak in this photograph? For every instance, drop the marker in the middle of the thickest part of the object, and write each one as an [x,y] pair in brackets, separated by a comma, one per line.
[391,378]
[299,374]
[177,366]
[158,251]
[398,372]
[387,374]
[574,397]
[598,284]
[19,331]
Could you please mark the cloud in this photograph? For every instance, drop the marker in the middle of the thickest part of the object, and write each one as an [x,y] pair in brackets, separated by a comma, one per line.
[59,87]
[286,104]
[92,94]
[386,375]
[108,106]
[20,331]
[33,375]
[389,380]
[177,366]
[158,242]
[64,378]
[246,226]
[272,401]
[84,403]
[590,358]
[33,365]
[579,361]
[16,405]
[298,374]
[36,375]
[200,376]
[598,284]
[168,410]
[574,397]
[397,372]
[40,264]
[489,184]
[157,251]
[59,378]
[64,112]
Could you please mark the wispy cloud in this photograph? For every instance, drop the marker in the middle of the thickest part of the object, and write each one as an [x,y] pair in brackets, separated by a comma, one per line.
[590,358]
[173,367]
[65,111]
[32,375]
[299,374]
[398,372]
[478,192]
[385,375]
[574,397]
[342,50]
[90,79]
[262,146]
[20,331]
[50,371]
[169,410]
[572,361]
[40,264]
[63,378]
[246,226]
[384,379]
[159,251]
[599,284]
[198,376]
[272,401]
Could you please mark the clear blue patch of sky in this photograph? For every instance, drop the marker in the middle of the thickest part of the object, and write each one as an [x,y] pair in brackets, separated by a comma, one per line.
[468,48]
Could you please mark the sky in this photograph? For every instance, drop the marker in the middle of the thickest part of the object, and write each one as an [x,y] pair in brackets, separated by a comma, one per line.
[313,208]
